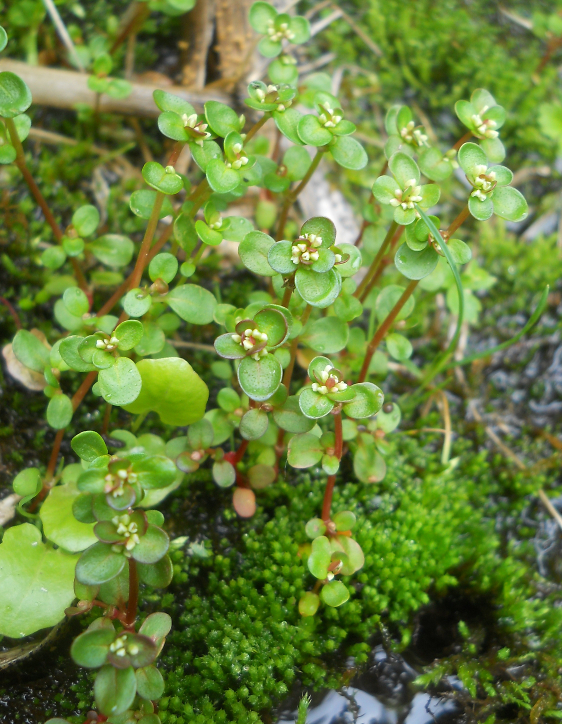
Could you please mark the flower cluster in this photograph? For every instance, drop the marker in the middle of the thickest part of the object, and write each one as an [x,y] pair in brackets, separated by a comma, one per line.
[485,127]
[196,129]
[414,135]
[409,196]
[253,341]
[328,380]
[305,249]
[483,182]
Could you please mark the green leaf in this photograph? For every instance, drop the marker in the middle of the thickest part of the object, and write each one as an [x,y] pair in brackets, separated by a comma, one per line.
[37,582]
[315,527]
[30,351]
[76,301]
[312,132]
[318,290]
[388,421]
[326,335]
[27,482]
[168,102]
[59,523]
[171,125]
[203,155]
[141,204]
[254,424]
[273,322]
[129,334]
[320,557]
[115,689]
[53,257]
[88,445]
[481,210]
[304,451]
[200,434]
[224,473]
[415,264]
[270,48]
[222,119]
[349,153]
[288,122]
[254,251]
[334,594]
[399,346]
[112,250]
[314,405]
[347,308]
[155,471]
[165,180]
[192,303]
[384,189]
[4,38]
[296,160]
[308,604]
[344,520]
[509,203]
[262,14]
[290,417]
[150,684]
[59,412]
[163,266]
[300,27]
[353,264]
[86,219]
[368,464]
[259,379]
[137,302]
[494,149]
[228,348]
[171,388]
[90,649]
[404,169]
[207,235]
[98,564]
[156,575]
[433,165]
[470,156]
[152,547]
[460,252]
[221,179]
[279,258]
[121,384]
[367,402]
[321,226]
[15,96]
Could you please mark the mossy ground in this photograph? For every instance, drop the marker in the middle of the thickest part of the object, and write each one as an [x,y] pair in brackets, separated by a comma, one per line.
[461,560]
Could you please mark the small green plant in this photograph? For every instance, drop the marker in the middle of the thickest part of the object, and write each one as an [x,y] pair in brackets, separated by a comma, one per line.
[100,513]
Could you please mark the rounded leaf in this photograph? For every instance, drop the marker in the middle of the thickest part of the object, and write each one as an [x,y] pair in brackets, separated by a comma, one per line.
[165,180]
[404,169]
[90,649]
[224,473]
[315,527]
[152,547]
[171,388]
[59,412]
[334,594]
[98,564]
[399,346]
[509,203]
[309,603]
[318,290]
[470,156]
[254,250]
[290,417]
[192,303]
[304,451]
[279,257]
[254,424]
[88,445]
[150,684]
[368,401]
[259,379]
[112,249]
[163,266]
[120,384]
[327,335]
[15,96]
[312,132]
[320,557]
[315,405]
[415,264]
[344,520]
[86,219]
[115,689]
[349,153]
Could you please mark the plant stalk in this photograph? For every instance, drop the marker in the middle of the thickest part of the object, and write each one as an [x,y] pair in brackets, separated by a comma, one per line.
[385,326]
[293,195]
[376,261]
[40,199]
[133,594]
[461,218]
[329,492]
[382,265]
[294,345]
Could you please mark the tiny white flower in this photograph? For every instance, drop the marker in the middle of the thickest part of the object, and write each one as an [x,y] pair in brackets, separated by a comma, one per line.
[236,338]
[100,344]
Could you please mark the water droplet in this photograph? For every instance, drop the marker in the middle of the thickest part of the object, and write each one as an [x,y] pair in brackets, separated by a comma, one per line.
[43,589]
[34,544]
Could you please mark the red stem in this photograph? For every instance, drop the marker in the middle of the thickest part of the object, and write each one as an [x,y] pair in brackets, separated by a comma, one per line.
[461,218]
[12,311]
[329,492]
[381,265]
[467,136]
[385,326]
[376,261]
[133,594]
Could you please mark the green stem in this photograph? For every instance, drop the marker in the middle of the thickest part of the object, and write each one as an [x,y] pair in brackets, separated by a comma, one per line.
[385,326]
[138,421]
[293,195]
[256,127]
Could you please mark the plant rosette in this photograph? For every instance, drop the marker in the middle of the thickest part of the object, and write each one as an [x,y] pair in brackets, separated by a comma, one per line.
[404,191]
[333,552]
[259,372]
[491,193]
[277,28]
[483,117]
[179,120]
[403,134]
[272,98]
[328,390]
[329,129]
[225,175]
[417,257]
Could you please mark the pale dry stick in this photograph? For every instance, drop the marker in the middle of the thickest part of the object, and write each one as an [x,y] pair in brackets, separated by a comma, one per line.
[369,42]
[545,500]
[63,33]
